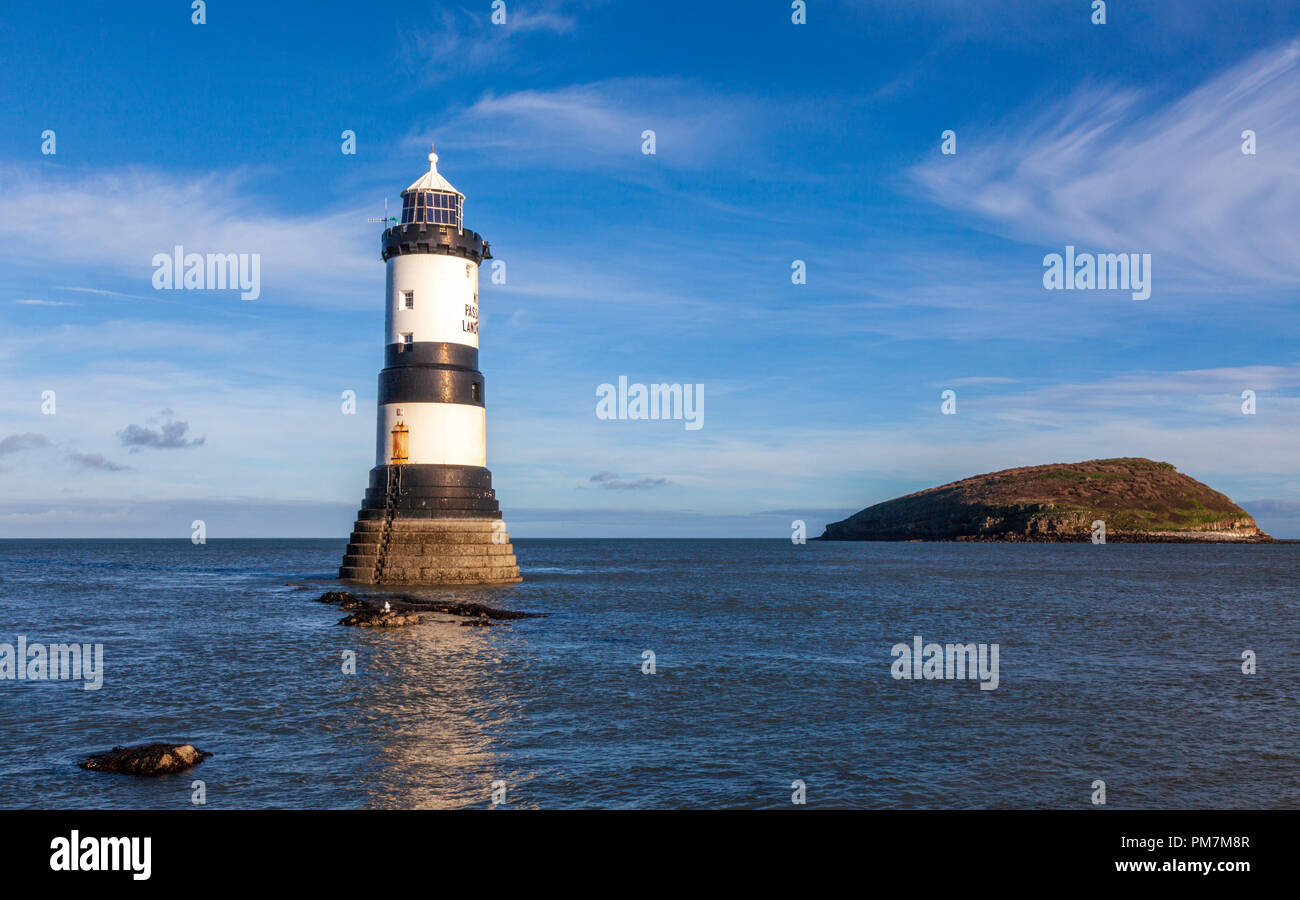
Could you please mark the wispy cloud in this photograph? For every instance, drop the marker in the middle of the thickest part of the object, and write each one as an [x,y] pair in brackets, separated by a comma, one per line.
[17,443]
[100,291]
[971,380]
[53,517]
[114,222]
[1211,395]
[1112,168]
[96,462]
[612,482]
[468,40]
[1277,507]
[1191,418]
[602,122]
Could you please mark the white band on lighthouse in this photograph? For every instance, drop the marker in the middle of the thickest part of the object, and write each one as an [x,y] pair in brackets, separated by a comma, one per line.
[440,434]
[432,297]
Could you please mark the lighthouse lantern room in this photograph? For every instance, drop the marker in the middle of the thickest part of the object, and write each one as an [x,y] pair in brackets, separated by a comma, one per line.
[430,514]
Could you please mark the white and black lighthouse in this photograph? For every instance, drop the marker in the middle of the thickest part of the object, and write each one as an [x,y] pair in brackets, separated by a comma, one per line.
[430,515]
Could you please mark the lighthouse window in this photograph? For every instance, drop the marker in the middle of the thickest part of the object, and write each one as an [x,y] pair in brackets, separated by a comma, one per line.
[408,341]
[445,209]
[408,299]
[433,207]
[476,391]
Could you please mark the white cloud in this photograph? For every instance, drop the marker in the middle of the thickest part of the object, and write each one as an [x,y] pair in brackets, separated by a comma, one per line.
[1191,392]
[467,40]
[116,221]
[1117,170]
[601,123]
[1191,419]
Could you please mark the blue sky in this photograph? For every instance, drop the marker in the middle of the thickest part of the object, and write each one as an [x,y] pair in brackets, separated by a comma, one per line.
[774,142]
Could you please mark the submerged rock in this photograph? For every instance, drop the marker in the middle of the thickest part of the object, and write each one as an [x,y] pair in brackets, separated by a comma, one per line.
[147,759]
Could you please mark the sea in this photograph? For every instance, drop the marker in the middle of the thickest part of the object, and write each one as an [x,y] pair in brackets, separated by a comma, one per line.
[666,674]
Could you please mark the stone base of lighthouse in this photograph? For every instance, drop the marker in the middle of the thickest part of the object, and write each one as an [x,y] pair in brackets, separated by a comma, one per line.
[426,525]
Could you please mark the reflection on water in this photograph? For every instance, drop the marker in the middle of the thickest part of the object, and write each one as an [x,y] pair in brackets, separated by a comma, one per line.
[433,710]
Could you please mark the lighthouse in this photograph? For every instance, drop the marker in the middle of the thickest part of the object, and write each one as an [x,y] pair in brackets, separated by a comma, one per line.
[430,514]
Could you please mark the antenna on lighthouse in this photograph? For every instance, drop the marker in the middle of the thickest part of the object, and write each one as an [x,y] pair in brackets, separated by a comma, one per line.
[386,219]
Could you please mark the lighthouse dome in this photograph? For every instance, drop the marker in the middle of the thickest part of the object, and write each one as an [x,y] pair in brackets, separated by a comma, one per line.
[432,199]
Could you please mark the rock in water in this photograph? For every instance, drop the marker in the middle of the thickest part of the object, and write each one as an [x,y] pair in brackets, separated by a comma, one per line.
[399,609]
[1139,500]
[366,613]
[460,608]
[343,599]
[378,618]
[149,759]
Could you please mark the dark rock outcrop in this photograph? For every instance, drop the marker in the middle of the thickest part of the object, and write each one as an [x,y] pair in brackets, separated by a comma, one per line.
[147,760]
[343,599]
[380,618]
[1139,500]
[394,611]
[459,608]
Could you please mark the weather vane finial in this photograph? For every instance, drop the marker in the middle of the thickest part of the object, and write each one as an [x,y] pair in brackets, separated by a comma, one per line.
[433,159]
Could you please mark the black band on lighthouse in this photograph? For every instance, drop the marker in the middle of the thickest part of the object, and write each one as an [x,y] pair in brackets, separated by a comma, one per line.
[430,384]
[432,353]
[446,475]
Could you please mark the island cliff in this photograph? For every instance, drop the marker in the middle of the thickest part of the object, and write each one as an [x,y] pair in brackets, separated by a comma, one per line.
[1138,499]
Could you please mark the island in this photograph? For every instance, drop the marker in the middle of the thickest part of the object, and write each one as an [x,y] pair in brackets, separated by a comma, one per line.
[1139,500]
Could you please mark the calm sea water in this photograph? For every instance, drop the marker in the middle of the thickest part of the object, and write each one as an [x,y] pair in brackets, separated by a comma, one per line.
[1120,663]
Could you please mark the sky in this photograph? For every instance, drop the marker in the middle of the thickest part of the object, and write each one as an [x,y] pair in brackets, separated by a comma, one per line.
[774,142]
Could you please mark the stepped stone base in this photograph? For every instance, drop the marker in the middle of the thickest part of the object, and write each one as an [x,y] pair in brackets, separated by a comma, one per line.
[430,551]
[430,524]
